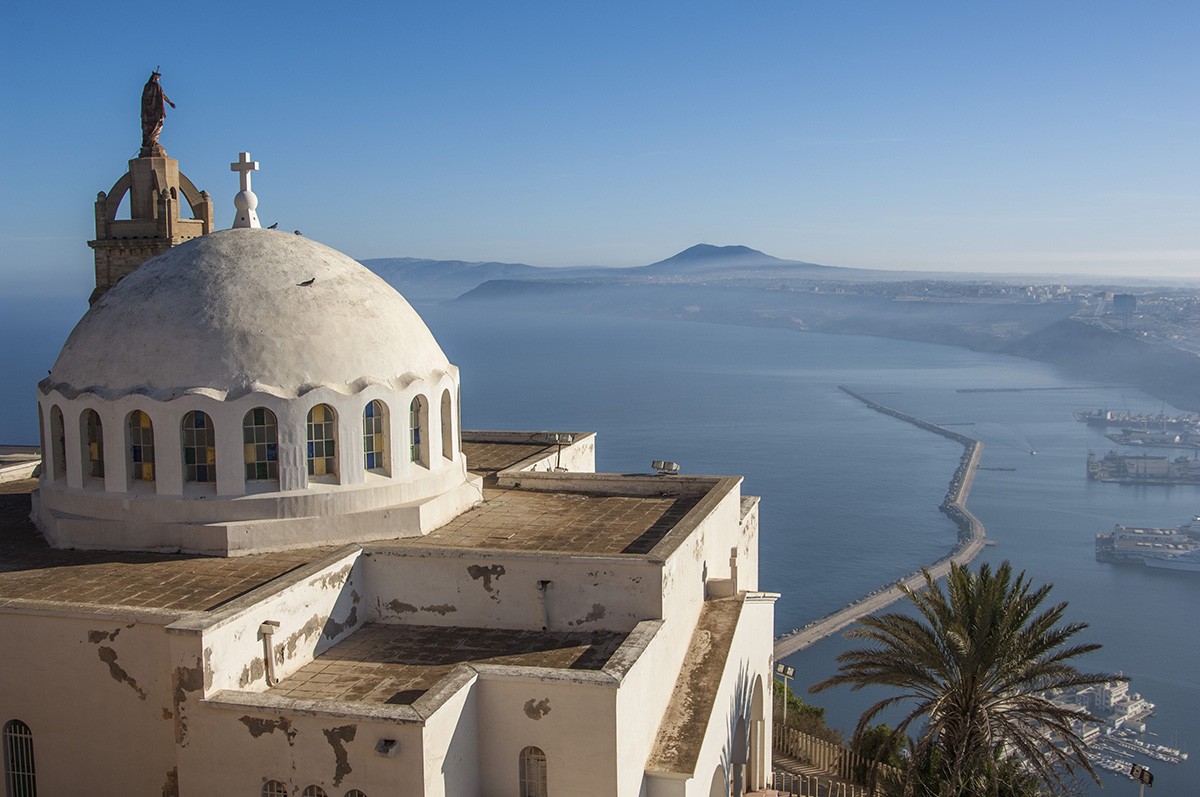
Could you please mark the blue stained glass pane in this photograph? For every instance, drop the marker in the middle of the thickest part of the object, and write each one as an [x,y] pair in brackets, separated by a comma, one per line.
[417,435]
[310,450]
[370,413]
[370,461]
[137,453]
[198,419]
[272,452]
[201,473]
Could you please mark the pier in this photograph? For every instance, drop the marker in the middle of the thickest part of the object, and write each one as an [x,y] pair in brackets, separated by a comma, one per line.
[970,540]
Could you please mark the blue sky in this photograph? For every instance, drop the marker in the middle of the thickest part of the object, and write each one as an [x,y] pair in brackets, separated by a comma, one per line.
[1032,137]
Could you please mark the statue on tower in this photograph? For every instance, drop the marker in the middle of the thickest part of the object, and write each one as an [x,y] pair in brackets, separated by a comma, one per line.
[153,112]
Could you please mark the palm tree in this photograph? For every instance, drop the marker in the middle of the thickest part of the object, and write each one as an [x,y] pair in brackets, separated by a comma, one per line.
[975,665]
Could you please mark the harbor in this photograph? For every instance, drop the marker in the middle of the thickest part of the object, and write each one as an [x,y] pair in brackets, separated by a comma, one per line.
[970,541]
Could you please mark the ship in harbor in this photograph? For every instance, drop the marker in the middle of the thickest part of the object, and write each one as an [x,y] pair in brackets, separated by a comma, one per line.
[1166,549]
[1142,469]
[1188,561]
[1156,422]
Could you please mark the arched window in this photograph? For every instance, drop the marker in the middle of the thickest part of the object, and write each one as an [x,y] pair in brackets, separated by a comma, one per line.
[42,437]
[418,420]
[313,791]
[273,788]
[141,446]
[447,426]
[93,452]
[18,760]
[199,448]
[533,772]
[375,442]
[322,441]
[58,440]
[260,443]
[355,793]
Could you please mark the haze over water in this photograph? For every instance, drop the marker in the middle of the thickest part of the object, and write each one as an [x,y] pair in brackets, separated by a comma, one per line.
[850,496]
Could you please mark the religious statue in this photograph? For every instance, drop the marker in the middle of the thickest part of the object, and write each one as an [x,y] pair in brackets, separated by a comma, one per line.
[153,113]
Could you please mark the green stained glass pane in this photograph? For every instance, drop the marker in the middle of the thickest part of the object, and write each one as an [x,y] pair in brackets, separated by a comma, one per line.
[247,434]
[260,416]
[189,455]
[262,470]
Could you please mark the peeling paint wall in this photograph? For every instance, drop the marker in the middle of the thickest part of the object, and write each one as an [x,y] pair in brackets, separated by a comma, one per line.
[337,754]
[76,680]
[503,592]
[314,613]
[574,725]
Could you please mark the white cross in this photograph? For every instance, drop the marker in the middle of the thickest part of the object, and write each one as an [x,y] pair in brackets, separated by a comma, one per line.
[244,165]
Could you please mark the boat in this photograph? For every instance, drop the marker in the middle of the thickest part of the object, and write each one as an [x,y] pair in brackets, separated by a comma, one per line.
[1189,561]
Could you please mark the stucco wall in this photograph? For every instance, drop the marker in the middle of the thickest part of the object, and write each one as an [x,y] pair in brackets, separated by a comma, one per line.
[573,724]
[96,694]
[460,589]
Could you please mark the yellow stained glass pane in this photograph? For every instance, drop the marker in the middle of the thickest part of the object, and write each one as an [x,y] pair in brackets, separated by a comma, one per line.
[147,473]
[211,455]
[319,467]
[94,450]
[318,413]
[248,453]
[143,420]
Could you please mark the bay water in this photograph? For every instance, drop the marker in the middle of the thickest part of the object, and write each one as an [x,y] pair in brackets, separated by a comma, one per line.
[850,496]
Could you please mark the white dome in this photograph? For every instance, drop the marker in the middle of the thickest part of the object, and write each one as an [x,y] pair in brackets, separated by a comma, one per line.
[246,310]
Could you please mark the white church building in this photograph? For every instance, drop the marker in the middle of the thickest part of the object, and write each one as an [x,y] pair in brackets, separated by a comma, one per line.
[263,558]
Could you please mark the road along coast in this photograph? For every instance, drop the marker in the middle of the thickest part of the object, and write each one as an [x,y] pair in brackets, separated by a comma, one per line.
[970,541]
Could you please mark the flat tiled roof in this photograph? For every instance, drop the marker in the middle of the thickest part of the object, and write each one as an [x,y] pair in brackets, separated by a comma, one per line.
[32,570]
[578,523]
[488,458]
[397,664]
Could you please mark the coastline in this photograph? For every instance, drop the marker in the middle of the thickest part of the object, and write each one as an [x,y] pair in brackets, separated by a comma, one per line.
[971,536]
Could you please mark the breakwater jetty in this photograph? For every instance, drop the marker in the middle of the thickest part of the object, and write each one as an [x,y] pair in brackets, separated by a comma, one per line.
[970,540]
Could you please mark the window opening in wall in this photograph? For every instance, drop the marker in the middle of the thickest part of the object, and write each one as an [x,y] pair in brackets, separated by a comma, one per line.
[447,427]
[199,448]
[95,444]
[260,443]
[533,772]
[374,431]
[273,788]
[322,451]
[314,791]
[416,420]
[355,793]
[42,437]
[141,446]
[59,441]
[18,760]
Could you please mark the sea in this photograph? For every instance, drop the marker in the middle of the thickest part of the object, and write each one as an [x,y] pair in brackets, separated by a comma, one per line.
[849,496]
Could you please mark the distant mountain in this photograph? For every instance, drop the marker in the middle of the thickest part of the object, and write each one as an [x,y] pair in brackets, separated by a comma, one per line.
[706,258]
[445,279]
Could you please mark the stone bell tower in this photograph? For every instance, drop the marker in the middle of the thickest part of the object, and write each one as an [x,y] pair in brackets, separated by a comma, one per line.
[156,190]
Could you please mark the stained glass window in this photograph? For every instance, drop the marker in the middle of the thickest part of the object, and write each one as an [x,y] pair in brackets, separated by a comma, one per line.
[141,446]
[260,444]
[273,788]
[18,760]
[95,444]
[416,412]
[314,791]
[322,442]
[374,431]
[199,448]
[533,772]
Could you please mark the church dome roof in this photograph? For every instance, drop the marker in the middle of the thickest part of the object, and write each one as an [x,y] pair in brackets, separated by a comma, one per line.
[245,310]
